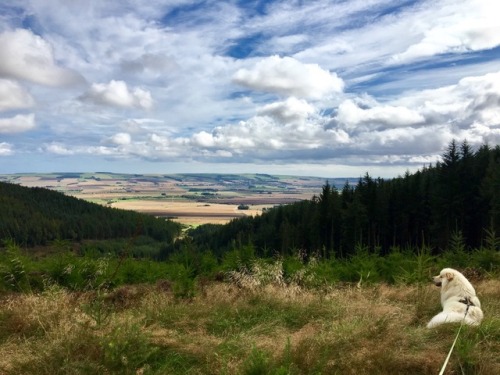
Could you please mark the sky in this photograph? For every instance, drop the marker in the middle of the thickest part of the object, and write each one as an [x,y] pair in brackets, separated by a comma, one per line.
[320,87]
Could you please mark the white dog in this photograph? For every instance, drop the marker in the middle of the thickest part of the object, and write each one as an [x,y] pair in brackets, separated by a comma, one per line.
[458,299]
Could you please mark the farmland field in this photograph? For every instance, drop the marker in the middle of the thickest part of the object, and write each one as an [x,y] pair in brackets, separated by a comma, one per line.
[190,199]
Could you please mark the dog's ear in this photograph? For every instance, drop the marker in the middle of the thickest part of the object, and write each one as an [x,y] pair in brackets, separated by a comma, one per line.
[449,276]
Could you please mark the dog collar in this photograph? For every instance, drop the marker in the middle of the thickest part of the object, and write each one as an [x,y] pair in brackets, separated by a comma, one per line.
[466,301]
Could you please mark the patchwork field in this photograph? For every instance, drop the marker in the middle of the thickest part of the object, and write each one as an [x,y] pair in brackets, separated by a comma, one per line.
[191,199]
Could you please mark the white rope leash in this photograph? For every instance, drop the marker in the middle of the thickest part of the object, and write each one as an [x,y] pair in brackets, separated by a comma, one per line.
[451,350]
[456,338]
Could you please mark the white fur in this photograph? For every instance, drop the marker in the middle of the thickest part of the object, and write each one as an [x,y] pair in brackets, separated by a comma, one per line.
[455,288]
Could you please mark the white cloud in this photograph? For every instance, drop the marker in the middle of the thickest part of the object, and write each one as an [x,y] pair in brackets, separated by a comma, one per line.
[159,140]
[58,149]
[260,137]
[417,123]
[121,139]
[116,93]
[480,134]
[204,139]
[6,149]
[351,115]
[192,63]
[456,27]
[412,130]
[290,77]
[290,110]
[29,57]
[471,100]
[17,124]
[401,142]
[14,96]
[100,150]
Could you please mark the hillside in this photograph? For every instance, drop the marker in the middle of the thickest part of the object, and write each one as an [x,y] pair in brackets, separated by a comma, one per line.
[190,199]
[456,202]
[35,216]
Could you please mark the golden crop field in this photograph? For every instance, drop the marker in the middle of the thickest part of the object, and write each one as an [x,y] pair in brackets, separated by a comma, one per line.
[191,199]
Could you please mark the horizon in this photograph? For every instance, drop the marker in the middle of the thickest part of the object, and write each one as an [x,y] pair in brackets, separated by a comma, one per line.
[68,174]
[324,88]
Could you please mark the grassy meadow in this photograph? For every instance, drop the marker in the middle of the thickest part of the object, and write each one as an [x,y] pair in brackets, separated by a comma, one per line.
[83,315]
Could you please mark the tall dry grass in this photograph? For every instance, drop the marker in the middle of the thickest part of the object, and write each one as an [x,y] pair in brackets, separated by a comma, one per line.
[244,328]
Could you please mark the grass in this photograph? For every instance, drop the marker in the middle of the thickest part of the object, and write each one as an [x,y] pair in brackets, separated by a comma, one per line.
[270,328]
[92,314]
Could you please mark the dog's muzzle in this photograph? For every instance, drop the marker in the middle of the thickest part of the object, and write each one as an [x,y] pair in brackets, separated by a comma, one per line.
[437,281]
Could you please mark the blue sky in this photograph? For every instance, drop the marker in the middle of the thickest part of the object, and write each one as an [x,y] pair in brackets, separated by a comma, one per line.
[322,88]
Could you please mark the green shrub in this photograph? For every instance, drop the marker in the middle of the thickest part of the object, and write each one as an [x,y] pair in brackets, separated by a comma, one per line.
[183,283]
[238,259]
[413,266]
[14,269]
[486,259]
[361,267]
[126,349]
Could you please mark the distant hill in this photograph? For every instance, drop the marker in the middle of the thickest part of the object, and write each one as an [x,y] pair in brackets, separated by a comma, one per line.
[65,180]
[35,216]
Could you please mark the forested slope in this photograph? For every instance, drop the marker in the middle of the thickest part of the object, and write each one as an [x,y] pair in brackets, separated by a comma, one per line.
[458,200]
[34,216]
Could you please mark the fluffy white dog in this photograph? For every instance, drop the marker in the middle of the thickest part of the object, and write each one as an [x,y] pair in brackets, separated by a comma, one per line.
[458,299]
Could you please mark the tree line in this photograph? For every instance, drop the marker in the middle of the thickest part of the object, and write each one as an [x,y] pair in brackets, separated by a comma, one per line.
[458,199]
[36,216]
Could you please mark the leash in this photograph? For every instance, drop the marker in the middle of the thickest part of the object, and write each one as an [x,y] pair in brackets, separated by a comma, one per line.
[469,304]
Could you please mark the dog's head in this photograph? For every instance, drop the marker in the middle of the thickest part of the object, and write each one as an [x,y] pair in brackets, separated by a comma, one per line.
[445,277]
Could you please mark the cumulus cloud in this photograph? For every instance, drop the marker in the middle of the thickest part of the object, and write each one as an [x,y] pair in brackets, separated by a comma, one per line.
[288,76]
[58,149]
[29,57]
[14,96]
[350,115]
[183,61]
[6,149]
[411,129]
[471,100]
[290,110]
[425,120]
[17,124]
[263,136]
[116,93]
[121,139]
[401,142]
[204,139]
[162,147]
